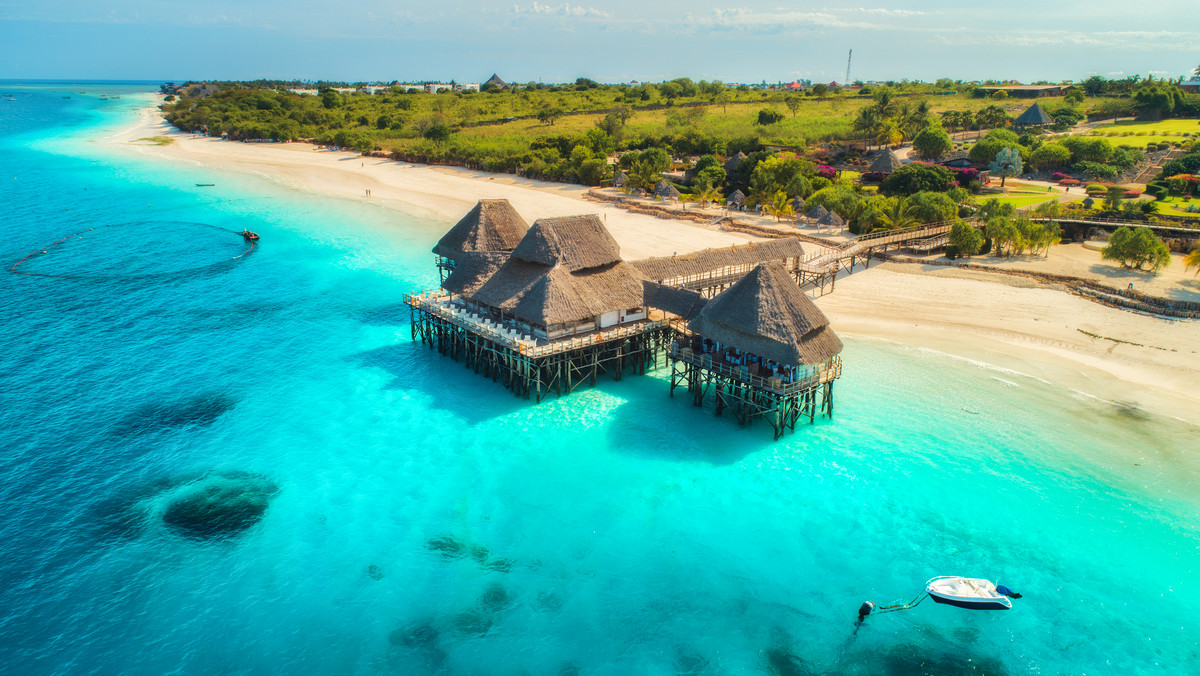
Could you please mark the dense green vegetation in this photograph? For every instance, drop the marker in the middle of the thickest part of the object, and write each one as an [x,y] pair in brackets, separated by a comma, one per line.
[786,144]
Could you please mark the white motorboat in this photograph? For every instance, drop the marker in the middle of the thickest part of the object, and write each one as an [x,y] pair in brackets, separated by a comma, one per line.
[967,592]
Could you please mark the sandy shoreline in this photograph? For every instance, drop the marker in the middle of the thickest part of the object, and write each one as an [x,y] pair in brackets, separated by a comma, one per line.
[1011,323]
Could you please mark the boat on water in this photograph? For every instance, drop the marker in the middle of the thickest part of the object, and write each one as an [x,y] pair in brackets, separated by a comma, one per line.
[250,236]
[968,592]
[205,185]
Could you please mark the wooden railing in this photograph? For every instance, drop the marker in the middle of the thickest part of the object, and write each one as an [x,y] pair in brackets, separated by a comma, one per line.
[831,371]
[430,301]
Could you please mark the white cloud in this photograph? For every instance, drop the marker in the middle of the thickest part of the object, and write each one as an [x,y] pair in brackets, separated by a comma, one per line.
[565,9]
[890,12]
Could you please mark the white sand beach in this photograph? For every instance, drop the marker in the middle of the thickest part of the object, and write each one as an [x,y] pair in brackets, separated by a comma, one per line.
[1141,361]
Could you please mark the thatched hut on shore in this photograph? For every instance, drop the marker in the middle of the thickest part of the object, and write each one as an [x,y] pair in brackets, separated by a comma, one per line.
[832,220]
[620,179]
[817,213]
[666,191]
[732,163]
[735,200]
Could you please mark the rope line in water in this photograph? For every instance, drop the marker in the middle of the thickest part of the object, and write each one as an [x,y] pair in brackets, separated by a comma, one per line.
[903,606]
[45,250]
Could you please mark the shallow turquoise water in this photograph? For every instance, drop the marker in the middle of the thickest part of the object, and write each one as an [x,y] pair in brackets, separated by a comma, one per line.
[625,531]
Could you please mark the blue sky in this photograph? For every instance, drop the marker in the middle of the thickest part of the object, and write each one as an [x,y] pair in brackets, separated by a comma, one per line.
[608,40]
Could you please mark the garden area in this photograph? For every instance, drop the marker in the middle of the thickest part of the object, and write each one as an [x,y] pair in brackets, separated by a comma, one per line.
[1139,133]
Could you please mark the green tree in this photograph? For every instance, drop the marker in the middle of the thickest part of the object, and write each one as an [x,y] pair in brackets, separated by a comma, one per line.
[985,150]
[1004,234]
[914,178]
[932,142]
[1156,101]
[1137,248]
[550,115]
[901,214]
[966,239]
[644,175]
[1007,164]
[438,133]
[780,206]
[839,199]
[331,99]
[1112,199]
[793,104]
[1050,155]
[820,90]
[933,207]
[992,117]
[1074,97]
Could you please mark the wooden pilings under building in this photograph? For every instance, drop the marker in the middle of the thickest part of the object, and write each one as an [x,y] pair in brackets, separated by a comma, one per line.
[748,396]
[552,308]
[763,349]
[528,369]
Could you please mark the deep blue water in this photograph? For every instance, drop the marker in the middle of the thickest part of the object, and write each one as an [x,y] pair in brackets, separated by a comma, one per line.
[420,519]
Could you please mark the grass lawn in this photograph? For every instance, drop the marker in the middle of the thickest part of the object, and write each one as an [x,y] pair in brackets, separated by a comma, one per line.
[1138,134]
[1175,206]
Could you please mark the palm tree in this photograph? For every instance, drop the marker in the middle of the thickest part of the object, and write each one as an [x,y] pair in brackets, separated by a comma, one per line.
[868,122]
[709,194]
[780,206]
[902,214]
[1192,260]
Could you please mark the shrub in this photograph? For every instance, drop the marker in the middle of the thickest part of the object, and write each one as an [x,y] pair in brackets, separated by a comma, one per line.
[1131,194]
[1057,176]
[1096,170]
[1069,181]
[767,116]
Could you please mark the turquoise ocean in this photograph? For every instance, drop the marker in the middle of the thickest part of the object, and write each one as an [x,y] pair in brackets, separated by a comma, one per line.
[421,519]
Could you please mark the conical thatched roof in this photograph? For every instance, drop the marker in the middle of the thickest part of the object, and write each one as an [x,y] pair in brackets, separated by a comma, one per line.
[620,179]
[798,205]
[491,226]
[816,213]
[732,163]
[495,80]
[736,198]
[1034,115]
[831,219]
[765,313]
[666,190]
[565,269]
[887,162]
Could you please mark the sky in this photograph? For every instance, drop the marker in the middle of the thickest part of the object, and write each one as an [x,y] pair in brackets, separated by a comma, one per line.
[606,40]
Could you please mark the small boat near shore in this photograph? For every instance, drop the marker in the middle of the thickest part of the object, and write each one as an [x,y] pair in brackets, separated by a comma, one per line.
[968,592]
[205,185]
[250,236]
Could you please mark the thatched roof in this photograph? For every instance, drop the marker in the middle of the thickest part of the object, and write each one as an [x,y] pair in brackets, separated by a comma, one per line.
[1034,115]
[666,190]
[816,213]
[620,179]
[798,205]
[765,313]
[495,80]
[700,262]
[732,163]
[574,242]
[471,270]
[565,269]
[491,226]
[887,162]
[831,219]
[736,198]
[678,301]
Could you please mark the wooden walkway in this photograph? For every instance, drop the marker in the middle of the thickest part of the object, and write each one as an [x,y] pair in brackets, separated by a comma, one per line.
[818,272]
[1117,222]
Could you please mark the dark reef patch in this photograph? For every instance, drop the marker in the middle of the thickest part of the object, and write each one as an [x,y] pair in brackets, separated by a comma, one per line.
[452,548]
[220,505]
[194,411]
[374,572]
